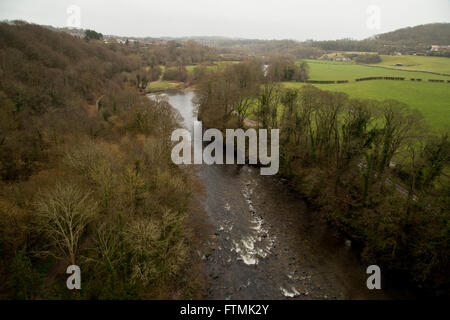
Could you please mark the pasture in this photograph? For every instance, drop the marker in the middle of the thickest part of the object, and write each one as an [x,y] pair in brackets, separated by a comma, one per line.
[162,85]
[420,63]
[334,70]
[432,99]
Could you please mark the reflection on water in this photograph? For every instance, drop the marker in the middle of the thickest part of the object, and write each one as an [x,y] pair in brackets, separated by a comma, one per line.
[182,102]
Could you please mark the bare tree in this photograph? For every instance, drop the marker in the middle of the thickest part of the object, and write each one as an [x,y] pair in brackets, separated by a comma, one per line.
[63,214]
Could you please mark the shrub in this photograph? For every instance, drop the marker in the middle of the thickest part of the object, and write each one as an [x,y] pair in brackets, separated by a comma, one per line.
[175,74]
[368,58]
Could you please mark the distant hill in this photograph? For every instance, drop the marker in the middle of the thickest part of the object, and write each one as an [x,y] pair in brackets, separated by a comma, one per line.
[409,40]
[418,39]
[426,35]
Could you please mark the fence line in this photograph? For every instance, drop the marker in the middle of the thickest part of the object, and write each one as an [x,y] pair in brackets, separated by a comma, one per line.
[372,78]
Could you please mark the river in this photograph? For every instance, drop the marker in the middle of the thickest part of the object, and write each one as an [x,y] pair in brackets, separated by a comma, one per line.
[266,243]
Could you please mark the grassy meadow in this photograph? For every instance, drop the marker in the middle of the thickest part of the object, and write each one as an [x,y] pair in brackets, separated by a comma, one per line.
[432,99]
[162,85]
[420,63]
[335,70]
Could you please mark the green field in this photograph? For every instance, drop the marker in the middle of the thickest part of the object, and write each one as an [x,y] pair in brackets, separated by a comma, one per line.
[334,70]
[342,54]
[432,99]
[420,63]
[162,85]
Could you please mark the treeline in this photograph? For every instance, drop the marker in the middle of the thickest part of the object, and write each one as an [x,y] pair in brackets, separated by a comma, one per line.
[367,58]
[421,36]
[44,71]
[371,168]
[379,78]
[92,35]
[177,73]
[406,40]
[347,45]
[229,94]
[242,48]
[167,54]
[173,56]
[285,69]
[86,176]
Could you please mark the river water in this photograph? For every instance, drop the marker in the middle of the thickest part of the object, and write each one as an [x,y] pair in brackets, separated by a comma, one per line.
[266,243]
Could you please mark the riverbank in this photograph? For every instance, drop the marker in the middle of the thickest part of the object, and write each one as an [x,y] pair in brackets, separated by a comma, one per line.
[265,241]
[163,86]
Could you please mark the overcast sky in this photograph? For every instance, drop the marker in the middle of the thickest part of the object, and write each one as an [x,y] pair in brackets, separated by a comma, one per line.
[262,19]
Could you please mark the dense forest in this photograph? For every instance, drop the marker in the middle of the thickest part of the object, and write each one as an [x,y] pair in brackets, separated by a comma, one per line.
[412,39]
[86,175]
[87,178]
[425,35]
[348,158]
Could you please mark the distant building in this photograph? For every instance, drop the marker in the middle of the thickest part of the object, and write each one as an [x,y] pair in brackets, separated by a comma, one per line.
[439,48]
